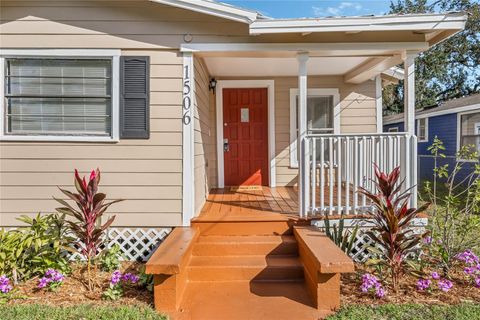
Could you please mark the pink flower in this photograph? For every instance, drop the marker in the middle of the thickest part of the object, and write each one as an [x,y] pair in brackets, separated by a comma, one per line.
[435,275]
[5,286]
[477,282]
[116,277]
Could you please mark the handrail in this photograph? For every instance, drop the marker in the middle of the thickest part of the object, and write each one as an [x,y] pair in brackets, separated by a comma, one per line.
[337,165]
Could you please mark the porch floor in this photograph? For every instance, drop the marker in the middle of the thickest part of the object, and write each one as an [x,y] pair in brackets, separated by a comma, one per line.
[267,204]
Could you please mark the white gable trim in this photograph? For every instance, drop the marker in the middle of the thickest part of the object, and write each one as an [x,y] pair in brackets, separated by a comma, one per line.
[214,9]
[449,21]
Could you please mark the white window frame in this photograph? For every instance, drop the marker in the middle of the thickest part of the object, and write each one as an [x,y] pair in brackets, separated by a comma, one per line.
[393,129]
[311,92]
[459,130]
[425,139]
[114,54]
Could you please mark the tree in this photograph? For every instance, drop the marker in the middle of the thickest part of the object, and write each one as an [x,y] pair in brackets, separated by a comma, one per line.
[448,70]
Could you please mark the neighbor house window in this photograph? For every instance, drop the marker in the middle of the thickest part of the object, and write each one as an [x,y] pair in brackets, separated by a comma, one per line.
[393,129]
[422,129]
[59,96]
[321,105]
[469,130]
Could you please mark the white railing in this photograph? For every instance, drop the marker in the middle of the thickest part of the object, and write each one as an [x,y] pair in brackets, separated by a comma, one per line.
[337,165]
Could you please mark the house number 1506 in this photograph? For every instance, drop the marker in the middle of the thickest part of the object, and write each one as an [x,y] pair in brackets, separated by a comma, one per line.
[187,100]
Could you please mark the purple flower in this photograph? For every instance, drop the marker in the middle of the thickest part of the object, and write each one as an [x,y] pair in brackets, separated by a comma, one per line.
[469,270]
[43,282]
[423,284]
[370,283]
[435,275]
[116,277]
[468,257]
[427,240]
[445,285]
[477,282]
[51,276]
[5,286]
[380,292]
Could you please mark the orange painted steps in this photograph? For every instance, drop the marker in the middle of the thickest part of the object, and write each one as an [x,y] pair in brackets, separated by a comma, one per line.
[247,268]
[245,245]
[244,228]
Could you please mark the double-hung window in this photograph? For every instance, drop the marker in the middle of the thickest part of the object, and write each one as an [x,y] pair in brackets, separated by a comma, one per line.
[60,97]
[322,117]
[469,129]
[422,129]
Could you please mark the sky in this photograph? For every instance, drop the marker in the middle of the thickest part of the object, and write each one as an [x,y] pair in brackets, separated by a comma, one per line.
[310,8]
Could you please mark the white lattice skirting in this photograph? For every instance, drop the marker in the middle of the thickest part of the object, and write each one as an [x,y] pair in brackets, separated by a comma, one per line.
[359,251]
[137,244]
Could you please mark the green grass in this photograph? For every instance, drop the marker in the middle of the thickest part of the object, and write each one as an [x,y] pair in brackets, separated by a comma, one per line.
[409,312]
[80,312]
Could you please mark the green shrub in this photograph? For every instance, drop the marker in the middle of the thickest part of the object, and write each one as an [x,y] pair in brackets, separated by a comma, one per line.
[110,258]
[455,214]
[34,248]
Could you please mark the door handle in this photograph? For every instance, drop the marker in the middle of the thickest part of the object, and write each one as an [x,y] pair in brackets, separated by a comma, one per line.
[226,145]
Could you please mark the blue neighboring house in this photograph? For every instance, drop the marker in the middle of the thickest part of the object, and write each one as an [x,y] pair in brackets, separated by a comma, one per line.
[455,122]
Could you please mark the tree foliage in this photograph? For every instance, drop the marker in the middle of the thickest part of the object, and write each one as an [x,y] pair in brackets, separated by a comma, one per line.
[448,70]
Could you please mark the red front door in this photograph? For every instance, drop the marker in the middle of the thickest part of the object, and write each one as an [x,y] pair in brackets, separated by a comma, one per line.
[245,133]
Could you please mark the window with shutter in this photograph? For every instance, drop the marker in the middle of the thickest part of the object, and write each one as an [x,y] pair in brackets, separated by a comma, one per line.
[134,100]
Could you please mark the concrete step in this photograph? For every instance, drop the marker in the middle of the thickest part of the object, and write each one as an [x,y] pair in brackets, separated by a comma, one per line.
[248,268]
[244,228]
[245,245]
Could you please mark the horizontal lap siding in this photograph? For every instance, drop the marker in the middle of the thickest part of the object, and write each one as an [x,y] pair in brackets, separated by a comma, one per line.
[203,135]
[357,115]
[146,173]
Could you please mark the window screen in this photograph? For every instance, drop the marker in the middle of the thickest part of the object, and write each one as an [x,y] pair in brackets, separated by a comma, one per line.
[58,96]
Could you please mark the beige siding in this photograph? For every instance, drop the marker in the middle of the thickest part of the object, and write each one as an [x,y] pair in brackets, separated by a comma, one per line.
[146,173]
[203,135]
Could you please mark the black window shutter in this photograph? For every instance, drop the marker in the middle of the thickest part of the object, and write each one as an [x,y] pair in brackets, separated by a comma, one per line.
[134,97]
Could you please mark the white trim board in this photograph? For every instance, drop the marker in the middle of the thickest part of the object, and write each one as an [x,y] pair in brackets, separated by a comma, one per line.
[311,92]
[113,54]
[270,85]
[411,22]
[213,8]
[188,144]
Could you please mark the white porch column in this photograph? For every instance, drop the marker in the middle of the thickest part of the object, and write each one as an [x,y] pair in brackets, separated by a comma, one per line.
[188,122]
[302,132]
[409,92]
[379,103]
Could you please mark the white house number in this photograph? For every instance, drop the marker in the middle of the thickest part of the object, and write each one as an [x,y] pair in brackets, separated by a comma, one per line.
[187,100]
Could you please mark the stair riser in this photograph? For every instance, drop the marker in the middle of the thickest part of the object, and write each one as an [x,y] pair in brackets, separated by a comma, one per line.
[258,228]
[242,273]
[240,249]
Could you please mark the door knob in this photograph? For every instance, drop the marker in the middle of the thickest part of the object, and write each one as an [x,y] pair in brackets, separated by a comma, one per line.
[226,145]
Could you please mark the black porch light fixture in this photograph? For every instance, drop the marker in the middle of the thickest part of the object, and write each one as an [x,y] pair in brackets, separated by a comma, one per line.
[212,85]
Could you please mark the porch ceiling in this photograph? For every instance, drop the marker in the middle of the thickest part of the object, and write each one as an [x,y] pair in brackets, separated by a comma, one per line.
[274,66]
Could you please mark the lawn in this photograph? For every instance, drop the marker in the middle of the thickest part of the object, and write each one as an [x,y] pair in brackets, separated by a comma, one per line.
[80,312]
[464,311]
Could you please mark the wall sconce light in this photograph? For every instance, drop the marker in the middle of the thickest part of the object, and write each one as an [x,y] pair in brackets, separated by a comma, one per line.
[212,85]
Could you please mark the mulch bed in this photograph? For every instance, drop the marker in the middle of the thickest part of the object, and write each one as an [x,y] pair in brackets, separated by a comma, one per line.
[74,290]
[462,291]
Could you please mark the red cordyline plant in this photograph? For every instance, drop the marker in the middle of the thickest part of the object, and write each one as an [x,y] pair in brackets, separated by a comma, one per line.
[91,207]
[392,232]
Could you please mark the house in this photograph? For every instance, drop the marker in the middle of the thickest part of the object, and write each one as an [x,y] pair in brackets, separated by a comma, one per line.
[455,122]
[176,101]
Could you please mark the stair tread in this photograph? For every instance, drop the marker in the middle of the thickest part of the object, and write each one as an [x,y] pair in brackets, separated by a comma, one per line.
[246,239]
[276,261]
